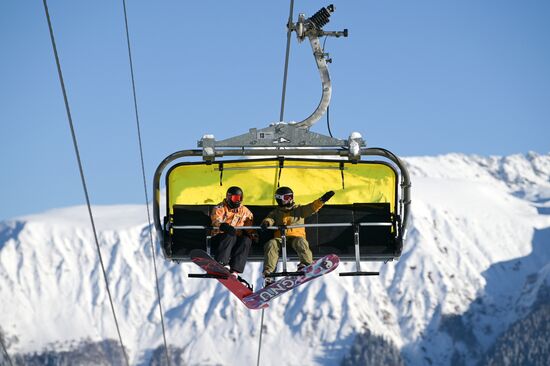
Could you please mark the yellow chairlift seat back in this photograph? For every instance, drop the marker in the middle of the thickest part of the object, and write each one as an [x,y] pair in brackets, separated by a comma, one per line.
[364,182]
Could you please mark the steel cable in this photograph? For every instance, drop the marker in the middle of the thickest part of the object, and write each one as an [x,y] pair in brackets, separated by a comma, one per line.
[281,116]
[145,181]
[328,107]
[287,57]
[5,351]
[81,170]
[260,342]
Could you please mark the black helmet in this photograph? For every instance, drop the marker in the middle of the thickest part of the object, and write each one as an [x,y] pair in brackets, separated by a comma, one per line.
[284,196]
[234,197]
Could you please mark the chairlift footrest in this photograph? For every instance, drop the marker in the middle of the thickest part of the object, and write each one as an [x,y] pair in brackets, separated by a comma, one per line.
[208,275]
[284,274]
[346,274]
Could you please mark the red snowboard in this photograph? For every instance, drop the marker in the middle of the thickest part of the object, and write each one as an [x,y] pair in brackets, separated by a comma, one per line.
[212,267]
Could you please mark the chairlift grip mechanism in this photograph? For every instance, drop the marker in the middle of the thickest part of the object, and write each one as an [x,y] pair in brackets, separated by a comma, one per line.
[283,135]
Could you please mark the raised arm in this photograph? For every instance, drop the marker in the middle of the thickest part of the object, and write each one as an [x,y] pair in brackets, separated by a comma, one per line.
[311,208]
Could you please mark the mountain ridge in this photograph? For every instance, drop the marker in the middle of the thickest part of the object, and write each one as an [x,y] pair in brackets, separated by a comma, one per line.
[473,220]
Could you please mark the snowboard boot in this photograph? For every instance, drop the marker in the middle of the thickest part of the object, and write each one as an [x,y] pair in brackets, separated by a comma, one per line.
[268,280]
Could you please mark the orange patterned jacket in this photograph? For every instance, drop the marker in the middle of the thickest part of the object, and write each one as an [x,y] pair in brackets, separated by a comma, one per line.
[240,216]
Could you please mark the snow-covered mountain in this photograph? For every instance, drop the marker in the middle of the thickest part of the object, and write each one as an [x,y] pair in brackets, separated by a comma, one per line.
[476,260]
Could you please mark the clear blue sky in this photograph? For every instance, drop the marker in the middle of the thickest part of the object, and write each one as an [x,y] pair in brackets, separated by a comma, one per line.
[417,77]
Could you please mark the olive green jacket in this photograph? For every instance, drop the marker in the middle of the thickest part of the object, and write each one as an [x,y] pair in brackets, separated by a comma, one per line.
[294,215]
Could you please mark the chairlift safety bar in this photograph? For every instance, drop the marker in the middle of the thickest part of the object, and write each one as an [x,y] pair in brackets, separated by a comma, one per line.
[336,224]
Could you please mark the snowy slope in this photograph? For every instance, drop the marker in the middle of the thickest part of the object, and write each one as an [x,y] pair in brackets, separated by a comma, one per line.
[478,251]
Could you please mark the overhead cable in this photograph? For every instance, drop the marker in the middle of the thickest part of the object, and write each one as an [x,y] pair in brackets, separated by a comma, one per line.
[287,57]
[5,351]
[145,181]
[281,116]
[81,170]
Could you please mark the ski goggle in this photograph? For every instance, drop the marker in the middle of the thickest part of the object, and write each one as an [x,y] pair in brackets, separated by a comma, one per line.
[234,197]
[285,197]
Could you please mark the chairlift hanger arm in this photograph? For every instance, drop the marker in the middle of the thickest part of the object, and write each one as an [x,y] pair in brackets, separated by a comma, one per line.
[312,28]
[295,134]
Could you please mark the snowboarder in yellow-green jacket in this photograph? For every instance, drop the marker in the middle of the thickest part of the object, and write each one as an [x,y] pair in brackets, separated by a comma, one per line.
[288,213]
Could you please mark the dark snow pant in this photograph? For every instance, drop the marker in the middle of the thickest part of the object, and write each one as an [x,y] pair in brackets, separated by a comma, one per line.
[232,250]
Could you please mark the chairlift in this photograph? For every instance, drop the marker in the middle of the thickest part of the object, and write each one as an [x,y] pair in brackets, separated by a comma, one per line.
[366,220]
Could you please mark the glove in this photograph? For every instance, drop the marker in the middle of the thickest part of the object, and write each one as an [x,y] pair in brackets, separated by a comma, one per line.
[264,225]
[228,229]
[324,198]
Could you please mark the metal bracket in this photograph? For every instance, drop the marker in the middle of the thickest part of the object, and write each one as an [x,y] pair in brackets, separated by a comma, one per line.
[276,138]
[295,134]
[277,135]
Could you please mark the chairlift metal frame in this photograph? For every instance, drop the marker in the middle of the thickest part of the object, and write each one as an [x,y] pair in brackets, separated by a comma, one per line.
[295,139]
